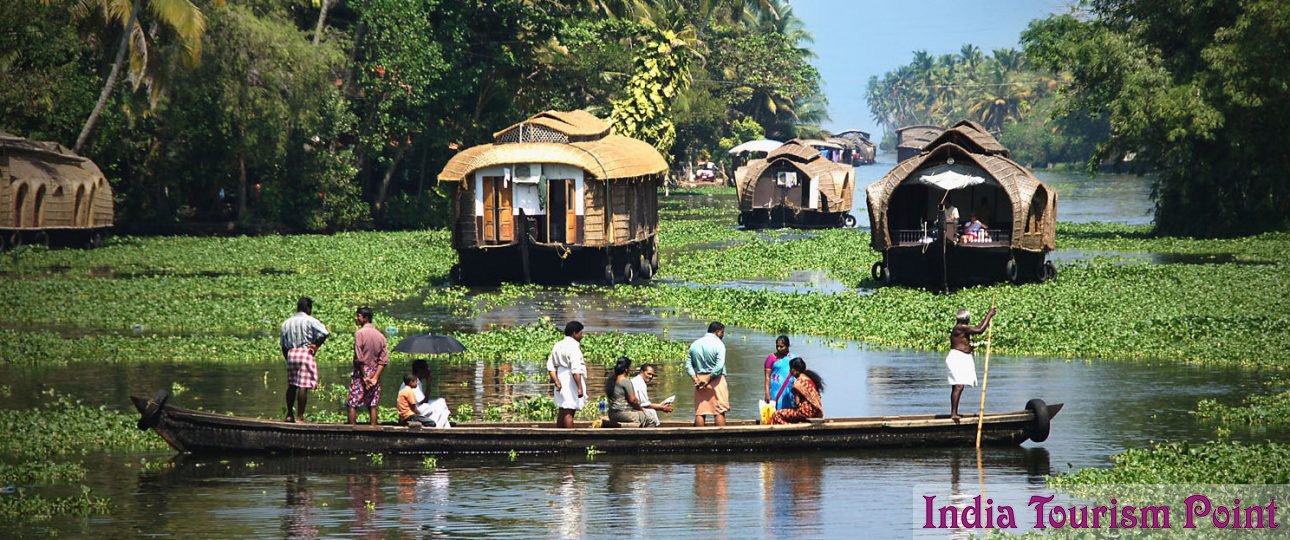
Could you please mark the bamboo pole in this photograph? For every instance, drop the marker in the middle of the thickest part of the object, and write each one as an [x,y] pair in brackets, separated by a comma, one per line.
[985,378]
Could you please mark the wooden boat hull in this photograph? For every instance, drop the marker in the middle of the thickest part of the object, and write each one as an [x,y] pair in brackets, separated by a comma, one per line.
[783,216]
[199,432]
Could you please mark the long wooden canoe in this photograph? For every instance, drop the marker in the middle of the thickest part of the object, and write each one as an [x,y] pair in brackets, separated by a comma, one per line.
[203,433]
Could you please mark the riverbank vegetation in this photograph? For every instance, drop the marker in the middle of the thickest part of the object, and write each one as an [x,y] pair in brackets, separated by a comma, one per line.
[1196,90]
[291,115]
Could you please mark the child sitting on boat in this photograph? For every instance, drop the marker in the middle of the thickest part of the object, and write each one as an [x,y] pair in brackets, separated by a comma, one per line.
[436,410]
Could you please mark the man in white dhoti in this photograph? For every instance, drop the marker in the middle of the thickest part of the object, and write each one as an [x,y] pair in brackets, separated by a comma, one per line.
[568,372]
[434,409]
[961,365]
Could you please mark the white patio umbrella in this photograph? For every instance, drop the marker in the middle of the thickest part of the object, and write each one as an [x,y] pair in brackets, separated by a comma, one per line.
[951,176]
[759,145]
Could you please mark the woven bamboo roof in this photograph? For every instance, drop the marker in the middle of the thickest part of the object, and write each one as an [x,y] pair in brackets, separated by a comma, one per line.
[917,136]
[972,136]
[796,150]
[1018,182]
[46,163]
[577,124]
[590,148]
[835,179]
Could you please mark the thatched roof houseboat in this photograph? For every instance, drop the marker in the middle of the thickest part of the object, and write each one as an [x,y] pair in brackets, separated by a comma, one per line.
[922,214]
[860,150]
[556,198]
[910,140]
[50,195]
[795,186]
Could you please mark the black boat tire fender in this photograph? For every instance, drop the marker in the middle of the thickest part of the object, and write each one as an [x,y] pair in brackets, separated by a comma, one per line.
[1038,429]
[740,219]
[647,269]
[152,413]
[1049,271]
[849,221]
[629,273]
[876,271]
[1011,271]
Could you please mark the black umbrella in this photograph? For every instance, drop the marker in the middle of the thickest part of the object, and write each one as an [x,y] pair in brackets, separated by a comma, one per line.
[429,344]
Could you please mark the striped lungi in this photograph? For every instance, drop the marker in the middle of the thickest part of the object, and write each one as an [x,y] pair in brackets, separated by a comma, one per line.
[302,368]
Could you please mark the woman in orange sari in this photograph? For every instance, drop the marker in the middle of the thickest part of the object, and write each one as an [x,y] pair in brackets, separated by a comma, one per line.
[806,388]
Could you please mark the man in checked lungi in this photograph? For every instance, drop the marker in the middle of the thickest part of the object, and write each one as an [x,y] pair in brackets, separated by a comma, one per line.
[302,335]
[370,358]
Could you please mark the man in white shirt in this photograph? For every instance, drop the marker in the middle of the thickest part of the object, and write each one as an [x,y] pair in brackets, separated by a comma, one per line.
[639,383]
[436,410]
[568,372]
[301,337]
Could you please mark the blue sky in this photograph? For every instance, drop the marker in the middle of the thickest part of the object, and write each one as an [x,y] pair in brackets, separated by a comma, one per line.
[857,39]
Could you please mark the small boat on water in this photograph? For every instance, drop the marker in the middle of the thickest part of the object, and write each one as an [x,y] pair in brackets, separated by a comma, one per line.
[206,433]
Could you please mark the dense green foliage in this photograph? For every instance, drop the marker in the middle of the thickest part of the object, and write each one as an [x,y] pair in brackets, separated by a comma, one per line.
[1183,463]
[1257,410]
[237,114]
[1199,89]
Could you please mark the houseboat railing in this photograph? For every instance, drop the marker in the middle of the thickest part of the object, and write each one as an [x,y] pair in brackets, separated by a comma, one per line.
[906,237]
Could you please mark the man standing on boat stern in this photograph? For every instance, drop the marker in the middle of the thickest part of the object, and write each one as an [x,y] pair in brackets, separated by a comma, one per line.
[707,368]
[370,358]
[568,372]
[961,365]
[302,335]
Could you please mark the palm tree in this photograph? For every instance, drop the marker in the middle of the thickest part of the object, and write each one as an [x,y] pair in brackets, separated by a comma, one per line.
[180,16]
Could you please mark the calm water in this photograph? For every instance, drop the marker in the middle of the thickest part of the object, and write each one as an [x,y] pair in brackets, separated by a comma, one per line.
[1109,406]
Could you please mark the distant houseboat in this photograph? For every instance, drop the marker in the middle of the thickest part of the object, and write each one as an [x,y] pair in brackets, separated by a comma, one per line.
[795,186]
[918,211]
[51,196]
[910,140]
[556,198]
[860,150]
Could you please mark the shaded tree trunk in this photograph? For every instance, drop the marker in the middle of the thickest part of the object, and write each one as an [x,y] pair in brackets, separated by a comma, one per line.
[385,180]
[322,19]
[113,77]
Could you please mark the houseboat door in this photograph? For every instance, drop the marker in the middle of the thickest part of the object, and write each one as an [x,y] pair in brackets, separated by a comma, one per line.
[562,221]
[499,224]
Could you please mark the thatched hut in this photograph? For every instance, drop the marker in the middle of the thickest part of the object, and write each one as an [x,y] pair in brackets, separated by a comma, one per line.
[910,140]
[918,211]
[554,198]
[50,195]
[795,186]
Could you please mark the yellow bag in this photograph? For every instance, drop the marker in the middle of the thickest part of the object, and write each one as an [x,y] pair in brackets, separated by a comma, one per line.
[767,409]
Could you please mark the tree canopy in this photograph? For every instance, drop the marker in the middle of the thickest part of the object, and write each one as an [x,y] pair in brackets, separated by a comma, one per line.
[336,114]
[1199,89]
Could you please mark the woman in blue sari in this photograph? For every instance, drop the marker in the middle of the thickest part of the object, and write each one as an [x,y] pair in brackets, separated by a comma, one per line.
[778,378]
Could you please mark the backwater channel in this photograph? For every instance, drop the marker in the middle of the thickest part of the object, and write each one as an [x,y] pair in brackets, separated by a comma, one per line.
[1109,406]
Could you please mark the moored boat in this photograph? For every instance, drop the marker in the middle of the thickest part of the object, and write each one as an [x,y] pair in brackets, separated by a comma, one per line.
[202,432]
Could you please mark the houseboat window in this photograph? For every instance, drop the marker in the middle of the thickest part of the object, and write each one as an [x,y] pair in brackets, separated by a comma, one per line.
[38,215]
[19,205]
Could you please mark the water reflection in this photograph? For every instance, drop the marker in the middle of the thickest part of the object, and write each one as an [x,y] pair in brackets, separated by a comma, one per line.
[298,520]
[569,519]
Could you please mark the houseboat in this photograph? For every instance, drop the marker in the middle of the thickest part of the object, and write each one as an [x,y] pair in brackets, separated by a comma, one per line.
[795,186]
[556,198]
[50,196]
[962,213]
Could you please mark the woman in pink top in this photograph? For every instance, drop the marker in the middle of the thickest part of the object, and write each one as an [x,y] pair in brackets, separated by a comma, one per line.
[778,378]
